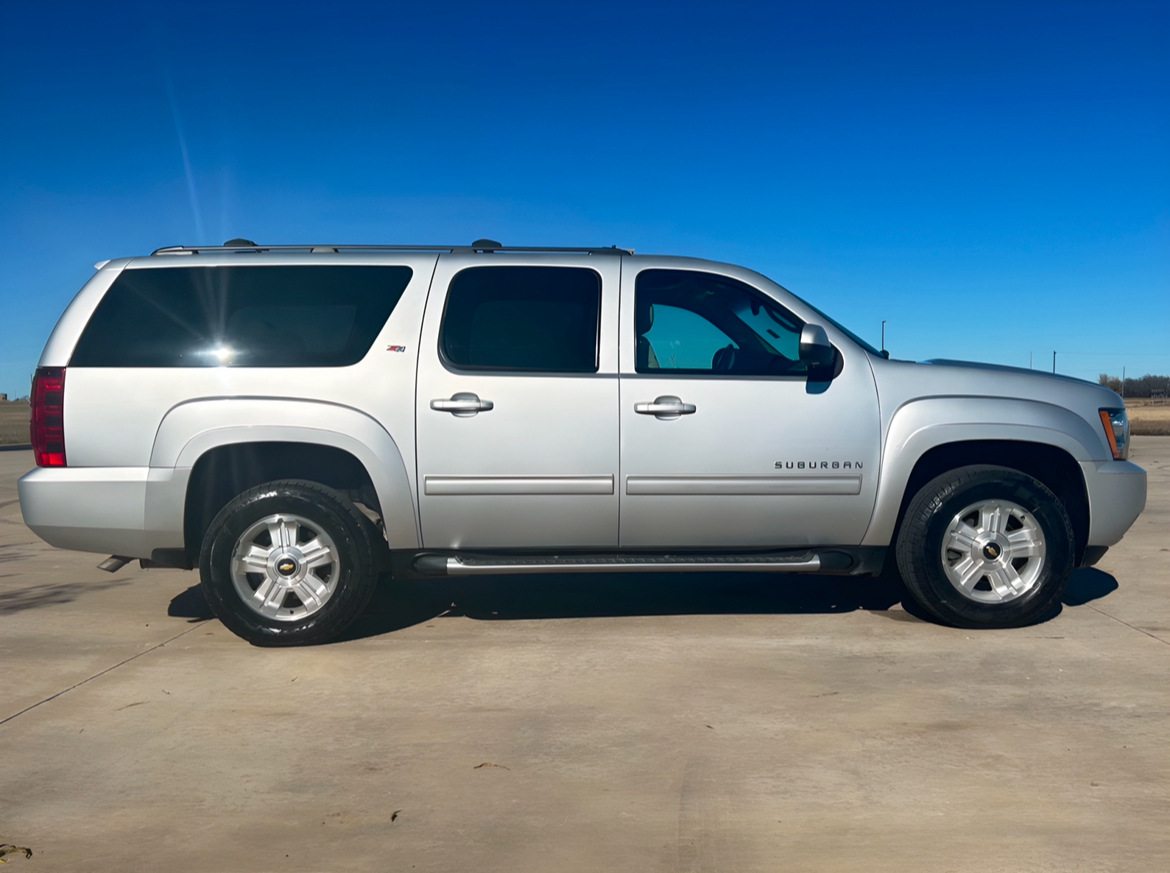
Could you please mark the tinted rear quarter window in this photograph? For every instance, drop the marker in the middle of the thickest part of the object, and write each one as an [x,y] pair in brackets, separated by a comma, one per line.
[522,318]
[257,316]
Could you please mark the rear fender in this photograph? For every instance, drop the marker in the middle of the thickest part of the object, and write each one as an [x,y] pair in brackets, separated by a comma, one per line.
[191,429]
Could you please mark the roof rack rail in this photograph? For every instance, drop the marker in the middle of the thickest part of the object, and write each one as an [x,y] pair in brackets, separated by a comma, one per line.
[478,246]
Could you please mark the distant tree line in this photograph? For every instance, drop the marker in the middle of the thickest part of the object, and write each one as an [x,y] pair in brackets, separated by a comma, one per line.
[1140,387]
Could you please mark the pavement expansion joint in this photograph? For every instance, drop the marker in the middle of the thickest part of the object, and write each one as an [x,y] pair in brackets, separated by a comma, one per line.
[96,675]
[1115,618]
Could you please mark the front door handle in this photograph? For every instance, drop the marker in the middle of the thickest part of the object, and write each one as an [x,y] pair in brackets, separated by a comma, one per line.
[665,408]
[462,405]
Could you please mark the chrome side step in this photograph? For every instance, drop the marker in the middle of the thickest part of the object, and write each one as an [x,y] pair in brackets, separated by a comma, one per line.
[467,565]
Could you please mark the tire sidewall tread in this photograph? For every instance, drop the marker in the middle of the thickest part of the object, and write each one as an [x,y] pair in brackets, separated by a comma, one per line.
[918,547]
[346,525]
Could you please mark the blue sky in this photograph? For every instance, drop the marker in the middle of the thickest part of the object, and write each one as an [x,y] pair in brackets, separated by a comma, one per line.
[991,178]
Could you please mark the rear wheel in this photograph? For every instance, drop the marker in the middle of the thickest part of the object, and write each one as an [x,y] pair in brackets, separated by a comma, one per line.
[289,563]
[986,546]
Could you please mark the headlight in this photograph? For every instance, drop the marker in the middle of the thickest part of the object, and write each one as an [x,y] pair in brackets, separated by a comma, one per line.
[1116,424]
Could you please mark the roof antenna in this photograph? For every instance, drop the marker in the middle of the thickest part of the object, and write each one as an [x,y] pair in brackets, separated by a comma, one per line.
[238,241]
[486,245]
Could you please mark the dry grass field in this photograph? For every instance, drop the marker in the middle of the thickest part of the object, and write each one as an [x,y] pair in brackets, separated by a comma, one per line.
[13,424]
[1148,417]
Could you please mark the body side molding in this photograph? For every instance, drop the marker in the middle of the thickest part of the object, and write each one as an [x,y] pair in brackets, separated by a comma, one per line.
[743,485]
[462,485]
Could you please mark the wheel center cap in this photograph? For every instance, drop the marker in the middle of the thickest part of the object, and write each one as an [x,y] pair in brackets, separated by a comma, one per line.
[286,566]
[992,551]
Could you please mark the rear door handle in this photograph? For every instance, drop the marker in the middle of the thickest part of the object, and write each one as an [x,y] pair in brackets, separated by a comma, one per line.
[665,408]
[462,405]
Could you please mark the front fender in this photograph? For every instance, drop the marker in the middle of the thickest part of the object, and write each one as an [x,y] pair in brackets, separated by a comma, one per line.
[192,428]
[921,425]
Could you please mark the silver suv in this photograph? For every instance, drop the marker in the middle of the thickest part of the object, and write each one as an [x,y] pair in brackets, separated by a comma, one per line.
[296,421]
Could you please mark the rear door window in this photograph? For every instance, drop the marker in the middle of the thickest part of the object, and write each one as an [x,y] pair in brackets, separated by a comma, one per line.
[534,319]
[261,316]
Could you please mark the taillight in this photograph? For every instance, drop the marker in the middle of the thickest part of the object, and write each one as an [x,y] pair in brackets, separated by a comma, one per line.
[47,425]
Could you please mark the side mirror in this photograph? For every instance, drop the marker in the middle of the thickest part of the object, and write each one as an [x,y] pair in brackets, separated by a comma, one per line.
[815,348]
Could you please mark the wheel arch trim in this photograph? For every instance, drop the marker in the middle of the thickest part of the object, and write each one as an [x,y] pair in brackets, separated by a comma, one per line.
[920,426]
[191,429]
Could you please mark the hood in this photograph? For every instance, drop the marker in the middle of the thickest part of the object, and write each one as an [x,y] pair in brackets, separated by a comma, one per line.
[902,381]
[1004,368]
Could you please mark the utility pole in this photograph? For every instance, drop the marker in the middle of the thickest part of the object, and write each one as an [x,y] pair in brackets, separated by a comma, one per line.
[1029,360]
[1054,362]
[1123,383]
[883,334]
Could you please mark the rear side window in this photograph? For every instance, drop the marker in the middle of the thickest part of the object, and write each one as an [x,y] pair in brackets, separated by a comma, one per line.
[313,316]
[522,318]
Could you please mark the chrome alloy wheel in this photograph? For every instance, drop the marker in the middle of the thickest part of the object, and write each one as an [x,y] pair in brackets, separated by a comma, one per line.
[993,551]
[285,567]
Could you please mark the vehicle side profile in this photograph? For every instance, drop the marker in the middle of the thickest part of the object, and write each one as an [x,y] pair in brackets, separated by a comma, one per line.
[299,421]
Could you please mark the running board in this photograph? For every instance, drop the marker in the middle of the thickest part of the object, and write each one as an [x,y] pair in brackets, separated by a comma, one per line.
[468,565]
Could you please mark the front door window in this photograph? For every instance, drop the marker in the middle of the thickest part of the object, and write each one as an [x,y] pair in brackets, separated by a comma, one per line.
[692,322]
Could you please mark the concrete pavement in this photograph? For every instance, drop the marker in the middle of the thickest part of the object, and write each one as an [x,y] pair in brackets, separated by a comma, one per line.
[586,723]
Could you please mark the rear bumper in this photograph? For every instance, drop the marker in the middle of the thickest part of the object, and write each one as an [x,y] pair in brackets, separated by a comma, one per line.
[1117,496]
[88,509]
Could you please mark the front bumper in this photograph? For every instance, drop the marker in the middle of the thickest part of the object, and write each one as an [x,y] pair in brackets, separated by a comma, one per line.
[1117,496]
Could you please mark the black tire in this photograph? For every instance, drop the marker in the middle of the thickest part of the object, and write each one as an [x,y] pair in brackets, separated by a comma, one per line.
[318,510]
[925,528]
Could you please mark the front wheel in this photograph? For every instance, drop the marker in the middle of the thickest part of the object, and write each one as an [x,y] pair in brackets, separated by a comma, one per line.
[986,547]
[288,563]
